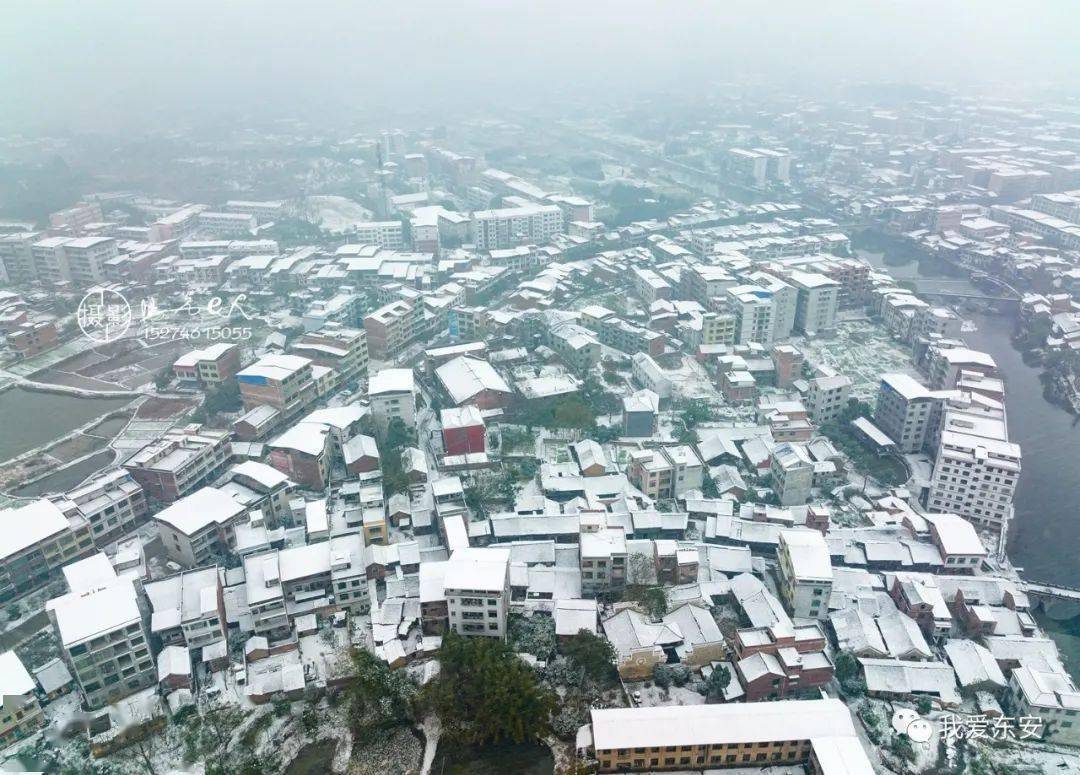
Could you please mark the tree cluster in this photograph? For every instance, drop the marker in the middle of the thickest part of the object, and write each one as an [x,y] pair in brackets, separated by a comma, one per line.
[485,693]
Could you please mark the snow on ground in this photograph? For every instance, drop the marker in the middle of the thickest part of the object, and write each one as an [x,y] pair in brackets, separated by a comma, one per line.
[337,214]
[654,696]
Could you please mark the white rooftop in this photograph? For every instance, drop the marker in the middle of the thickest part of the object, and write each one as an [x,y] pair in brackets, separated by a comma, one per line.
[203,507]
[478,568]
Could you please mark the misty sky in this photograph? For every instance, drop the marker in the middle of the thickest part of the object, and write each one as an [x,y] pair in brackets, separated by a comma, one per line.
[111,63]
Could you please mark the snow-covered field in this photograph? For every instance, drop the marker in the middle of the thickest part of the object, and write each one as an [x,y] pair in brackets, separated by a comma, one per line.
[337,214]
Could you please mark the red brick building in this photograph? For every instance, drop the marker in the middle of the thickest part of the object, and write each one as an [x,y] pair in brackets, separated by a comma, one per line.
[463,431]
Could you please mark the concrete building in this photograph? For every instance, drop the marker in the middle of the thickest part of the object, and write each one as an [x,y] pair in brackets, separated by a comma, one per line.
[285,382]
[104,641]
[905,411]
[819,299]
[385,234]
[511,226]
[337,347]
[179,462]
[20,712]
[112,503]
[392,327]
[792,474]
[818,734]
[976,470]
[755,313]
[827,398]
[199,528]
[211,365]
[649,375]
[188,608]
[392,393]
[37,540]
[805,572]
[603,557]
[640,410]
[477,590]
[315,578]
[235,225]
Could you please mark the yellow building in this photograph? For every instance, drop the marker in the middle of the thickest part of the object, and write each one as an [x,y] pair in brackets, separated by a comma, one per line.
[817,733]
[21,714]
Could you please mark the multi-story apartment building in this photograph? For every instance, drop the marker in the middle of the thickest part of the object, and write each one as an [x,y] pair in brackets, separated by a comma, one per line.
[17,257]
[785,298]
[76,218]
[33,337]
[50,261]
[792,473]
[37,540]
[675,564]
[303,453]
[104,641]
[343,309]
[818,301]
[755,313]
[511,226]
[337,347]
[258,486]
[603,556]
[945,365]
[827,398]
[393,327]
[320,577]
[392,393]
[717,328]
[817,734]
[805,573]
[269,210]
[188,608]
[86,258]
[284,382]
[477,589]
[385,234]
[705,284]
[179,462]
[200,528]
[211,365]
[111,502]
[905,411]
[976,470]
[20,712]
[239,225]
[1048,695]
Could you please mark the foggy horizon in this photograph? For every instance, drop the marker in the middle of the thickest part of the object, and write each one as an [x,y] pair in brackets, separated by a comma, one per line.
[125,66]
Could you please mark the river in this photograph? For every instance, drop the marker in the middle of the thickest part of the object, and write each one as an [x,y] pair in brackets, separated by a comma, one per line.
[1042,536]
[29,418]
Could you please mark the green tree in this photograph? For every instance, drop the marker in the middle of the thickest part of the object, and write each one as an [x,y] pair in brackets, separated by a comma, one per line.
[595,655]
[717,682]
[848,673]
[902,747]
[708,486]
[485,693]
[653,599]
[378,695]
[533,635]
[226,398]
